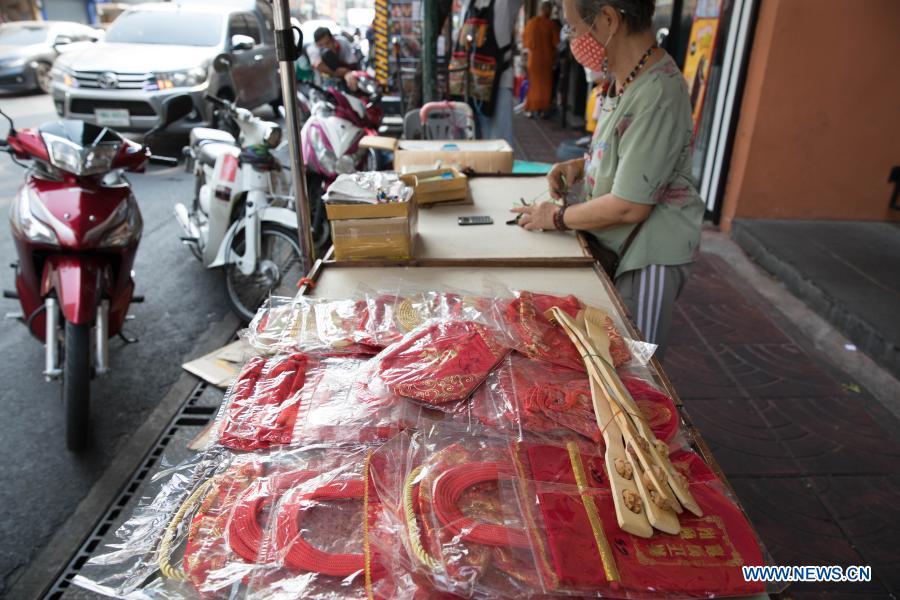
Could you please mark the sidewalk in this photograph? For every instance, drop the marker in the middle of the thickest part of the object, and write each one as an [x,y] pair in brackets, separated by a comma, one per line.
[811,453]
[848,272]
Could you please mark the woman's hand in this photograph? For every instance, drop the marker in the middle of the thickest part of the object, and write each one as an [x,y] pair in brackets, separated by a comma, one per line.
[537,217]
[563,175]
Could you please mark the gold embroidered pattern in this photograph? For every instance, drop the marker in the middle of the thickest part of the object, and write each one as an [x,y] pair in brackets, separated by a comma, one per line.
[606,555]
[699,553]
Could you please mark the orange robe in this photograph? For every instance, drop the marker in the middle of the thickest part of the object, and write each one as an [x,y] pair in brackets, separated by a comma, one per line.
[540,37]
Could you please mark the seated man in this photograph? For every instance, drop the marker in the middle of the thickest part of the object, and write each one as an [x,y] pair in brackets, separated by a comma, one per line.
[330,57]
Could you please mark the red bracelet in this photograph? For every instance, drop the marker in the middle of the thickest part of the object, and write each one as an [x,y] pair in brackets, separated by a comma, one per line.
[559,218]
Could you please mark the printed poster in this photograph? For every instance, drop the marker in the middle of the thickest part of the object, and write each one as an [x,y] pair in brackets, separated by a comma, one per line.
[698,63]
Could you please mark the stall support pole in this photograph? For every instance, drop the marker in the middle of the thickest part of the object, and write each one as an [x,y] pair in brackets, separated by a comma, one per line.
[429,51]
[288,52]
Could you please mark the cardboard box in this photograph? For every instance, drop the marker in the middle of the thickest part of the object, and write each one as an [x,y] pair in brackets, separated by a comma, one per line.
[482,156]
[338,212]
[438,185]
[391,238]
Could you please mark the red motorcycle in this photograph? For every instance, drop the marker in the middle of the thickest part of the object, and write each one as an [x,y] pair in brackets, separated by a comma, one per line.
[76,227]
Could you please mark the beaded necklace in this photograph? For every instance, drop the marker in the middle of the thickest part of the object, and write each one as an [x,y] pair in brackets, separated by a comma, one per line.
[631,77]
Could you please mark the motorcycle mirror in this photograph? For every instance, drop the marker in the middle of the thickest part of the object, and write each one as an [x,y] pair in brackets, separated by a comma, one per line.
[222,63]
[175,108]
[172,109]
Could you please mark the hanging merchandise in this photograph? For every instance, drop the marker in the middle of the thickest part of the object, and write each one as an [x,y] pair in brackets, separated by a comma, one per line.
[477,61]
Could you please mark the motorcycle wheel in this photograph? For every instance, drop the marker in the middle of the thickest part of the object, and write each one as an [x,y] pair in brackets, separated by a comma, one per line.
[76,384]
[279,260]
[318,217]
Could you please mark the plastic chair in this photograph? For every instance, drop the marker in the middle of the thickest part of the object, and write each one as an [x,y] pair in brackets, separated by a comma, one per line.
[412,126]
[447,121]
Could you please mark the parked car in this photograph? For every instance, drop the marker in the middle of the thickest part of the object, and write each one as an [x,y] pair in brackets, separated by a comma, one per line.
[28,49]
[156,50]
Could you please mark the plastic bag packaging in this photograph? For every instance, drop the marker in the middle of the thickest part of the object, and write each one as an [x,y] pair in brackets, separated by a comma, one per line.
[567,491]
[342,405]
[204,535]
[277,325]
[260,410]
[447,499]
[124,568]
[399,306]
[316,541]
[538,338]
[440,364]
[525,397]
[300,398]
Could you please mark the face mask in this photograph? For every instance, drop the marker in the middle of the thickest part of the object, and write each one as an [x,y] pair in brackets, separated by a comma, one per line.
[589,53]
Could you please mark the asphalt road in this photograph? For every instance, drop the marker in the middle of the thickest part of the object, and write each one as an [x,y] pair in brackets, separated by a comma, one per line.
[40,482]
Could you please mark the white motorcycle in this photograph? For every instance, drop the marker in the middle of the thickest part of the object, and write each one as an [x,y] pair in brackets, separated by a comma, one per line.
[242,217]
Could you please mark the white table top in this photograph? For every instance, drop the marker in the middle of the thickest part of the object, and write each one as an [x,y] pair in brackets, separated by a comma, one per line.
[440,237]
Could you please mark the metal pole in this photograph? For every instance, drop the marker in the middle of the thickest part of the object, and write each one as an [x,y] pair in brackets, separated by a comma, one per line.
[429,51]
[288,52]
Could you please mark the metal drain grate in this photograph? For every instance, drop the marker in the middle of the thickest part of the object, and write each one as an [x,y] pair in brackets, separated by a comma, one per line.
[190,415]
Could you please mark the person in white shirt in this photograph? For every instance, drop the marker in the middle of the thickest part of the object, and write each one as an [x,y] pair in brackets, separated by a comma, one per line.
[332,57]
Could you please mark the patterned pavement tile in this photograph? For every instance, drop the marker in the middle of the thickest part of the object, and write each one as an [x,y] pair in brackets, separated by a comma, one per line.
[740,438]
[696,373]
[867,509]
[797,529]
[775,370]
[834,435]
[733,323]
[708,285]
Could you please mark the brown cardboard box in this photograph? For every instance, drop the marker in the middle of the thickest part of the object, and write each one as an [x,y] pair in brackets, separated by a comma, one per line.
[432,187]
[338,212]
[482,156]
[380,238]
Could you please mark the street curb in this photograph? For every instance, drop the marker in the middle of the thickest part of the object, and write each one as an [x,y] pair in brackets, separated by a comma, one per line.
[41,573]
[881,383]
[866,336]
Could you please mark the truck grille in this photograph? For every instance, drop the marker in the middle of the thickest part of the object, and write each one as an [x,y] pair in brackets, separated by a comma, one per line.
[110,80]
[136,108]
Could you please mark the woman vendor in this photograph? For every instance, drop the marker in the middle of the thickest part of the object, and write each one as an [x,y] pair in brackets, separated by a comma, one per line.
[640,200]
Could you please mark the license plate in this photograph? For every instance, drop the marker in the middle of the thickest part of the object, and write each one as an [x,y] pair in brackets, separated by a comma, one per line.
[112,117]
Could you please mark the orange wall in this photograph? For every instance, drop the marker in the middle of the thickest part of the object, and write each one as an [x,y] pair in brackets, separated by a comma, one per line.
[819,127]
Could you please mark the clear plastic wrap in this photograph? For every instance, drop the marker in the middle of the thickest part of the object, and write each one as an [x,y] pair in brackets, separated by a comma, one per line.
[478,517]
[525,397]
[299,398]
[446,499]
[441,363]
[567,491]
[247,526]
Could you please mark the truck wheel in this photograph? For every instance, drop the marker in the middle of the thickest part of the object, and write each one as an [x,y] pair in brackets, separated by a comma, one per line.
[76,384]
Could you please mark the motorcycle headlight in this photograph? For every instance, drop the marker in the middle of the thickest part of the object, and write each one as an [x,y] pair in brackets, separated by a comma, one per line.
[129,227]
[272,136]
[24,217]
[176,79]
[72,158]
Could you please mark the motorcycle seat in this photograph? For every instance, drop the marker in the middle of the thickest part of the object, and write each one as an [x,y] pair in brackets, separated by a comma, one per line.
[207,134]
[210,151]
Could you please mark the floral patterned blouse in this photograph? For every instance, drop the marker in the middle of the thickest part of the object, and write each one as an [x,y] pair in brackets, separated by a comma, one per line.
[641,152]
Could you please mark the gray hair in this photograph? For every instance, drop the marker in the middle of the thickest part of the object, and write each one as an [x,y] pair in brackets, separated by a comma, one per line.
[637,14]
